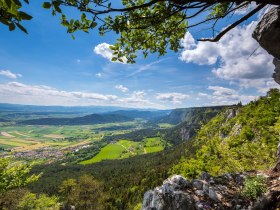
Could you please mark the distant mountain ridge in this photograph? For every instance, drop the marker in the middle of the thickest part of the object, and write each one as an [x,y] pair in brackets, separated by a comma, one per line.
[188,121]
[191,115]
[85,120]
[142,113]
[6,107]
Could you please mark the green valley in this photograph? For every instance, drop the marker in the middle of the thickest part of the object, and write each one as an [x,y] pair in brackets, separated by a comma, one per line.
[126,159]
[125,149]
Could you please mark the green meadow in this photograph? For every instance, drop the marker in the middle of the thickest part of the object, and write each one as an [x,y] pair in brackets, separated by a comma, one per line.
[125,148]
[165,125]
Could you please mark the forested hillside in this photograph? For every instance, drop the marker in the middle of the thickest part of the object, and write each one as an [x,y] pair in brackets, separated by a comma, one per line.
[125,181]
[238,139]
[141,114]
[85,120]
[193,115]
[189,121]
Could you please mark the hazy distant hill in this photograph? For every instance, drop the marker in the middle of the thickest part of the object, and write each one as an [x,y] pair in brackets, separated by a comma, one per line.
[190,115]
[142,114]
[85,120]
[3,120]
[80,109]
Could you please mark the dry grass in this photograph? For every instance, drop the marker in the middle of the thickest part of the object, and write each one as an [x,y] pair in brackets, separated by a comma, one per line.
[7,134]
[54,136]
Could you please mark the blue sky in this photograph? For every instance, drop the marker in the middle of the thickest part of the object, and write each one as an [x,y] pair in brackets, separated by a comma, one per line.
[47,67]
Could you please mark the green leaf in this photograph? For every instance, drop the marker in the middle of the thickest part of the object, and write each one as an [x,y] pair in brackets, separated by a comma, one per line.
[83,17]
[56,7]
[93,24]
[112,47]
[114,59]
[9,3]
[17,2]
[25,16]
[4,21]
[46,5]
[21,28]
[12,26]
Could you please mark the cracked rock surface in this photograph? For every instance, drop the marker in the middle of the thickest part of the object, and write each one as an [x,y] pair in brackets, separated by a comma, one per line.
[222,192]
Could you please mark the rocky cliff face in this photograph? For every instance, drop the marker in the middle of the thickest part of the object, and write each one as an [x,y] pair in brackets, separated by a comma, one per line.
[276,75]
[190,120]
[267,33]
[208,192]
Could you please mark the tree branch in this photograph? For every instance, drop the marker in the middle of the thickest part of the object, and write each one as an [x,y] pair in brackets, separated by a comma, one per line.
[178,3]
[221,34]
[215,18]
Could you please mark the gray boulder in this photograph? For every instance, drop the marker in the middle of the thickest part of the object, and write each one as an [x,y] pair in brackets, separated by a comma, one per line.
[171,195]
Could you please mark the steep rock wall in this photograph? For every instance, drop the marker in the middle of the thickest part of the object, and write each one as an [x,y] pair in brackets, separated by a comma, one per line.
[267,33]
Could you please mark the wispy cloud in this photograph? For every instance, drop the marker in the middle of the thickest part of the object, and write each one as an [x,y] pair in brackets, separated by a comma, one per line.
[99,74]
[9,74]
[122,88]
[148,67]
[16,92]
[175,98]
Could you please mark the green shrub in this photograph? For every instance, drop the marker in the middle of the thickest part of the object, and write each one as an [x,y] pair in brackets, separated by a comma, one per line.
[254,186]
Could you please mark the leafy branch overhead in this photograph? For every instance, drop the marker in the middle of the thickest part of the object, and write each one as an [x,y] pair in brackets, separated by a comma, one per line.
[11,14]
[149,26]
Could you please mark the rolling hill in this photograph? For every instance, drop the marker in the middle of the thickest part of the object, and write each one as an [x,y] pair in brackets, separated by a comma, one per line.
[148,115]
[85,120]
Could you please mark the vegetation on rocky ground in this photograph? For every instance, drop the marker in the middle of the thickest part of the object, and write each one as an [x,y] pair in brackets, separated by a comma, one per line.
[254,186]
[239,139]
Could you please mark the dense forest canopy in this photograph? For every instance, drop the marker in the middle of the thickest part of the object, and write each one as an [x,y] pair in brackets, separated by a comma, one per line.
[149,26]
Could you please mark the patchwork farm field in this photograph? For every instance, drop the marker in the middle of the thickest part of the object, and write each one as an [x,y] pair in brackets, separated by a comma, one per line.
[125,148]
[83,144]
[25,138]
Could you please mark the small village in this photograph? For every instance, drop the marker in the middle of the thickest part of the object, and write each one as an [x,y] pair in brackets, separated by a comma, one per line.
[49,153]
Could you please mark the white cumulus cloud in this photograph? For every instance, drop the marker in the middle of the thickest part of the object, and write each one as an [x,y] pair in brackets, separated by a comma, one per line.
[9,74]
[122,88]
[15,92]
[175,98]
[239,57]
[19,93]
[104,50]
[202,53]
[222,96]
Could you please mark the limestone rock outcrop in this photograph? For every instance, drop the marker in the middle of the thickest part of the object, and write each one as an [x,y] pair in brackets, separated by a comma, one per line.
[223,192]
[267,33]
[172,195]
[276,75]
